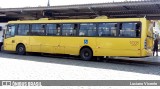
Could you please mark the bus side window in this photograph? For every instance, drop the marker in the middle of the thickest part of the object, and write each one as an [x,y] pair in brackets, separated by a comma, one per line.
[42,30]
[73,30]
[38,29]
[69,29]
[23,29]
[129,29]
[74,33]
[138,29]
[120,30]
[113,28]
[107,29]
[51,29]
[58,27]
[87,29]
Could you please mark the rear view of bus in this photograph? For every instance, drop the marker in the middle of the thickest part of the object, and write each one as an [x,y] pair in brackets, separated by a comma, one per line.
[147,38]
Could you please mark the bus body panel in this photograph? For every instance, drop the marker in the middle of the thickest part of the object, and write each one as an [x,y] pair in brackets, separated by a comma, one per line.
[50,45]
[45,44]
[8,44]
[101,46]
[118,47]
[146,38]
[73,45]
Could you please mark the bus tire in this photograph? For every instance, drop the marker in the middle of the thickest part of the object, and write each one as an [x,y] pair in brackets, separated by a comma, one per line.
[20,49]
[1,44]
[86,54]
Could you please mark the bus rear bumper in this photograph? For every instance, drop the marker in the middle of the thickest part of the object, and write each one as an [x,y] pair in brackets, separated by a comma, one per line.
[146,52]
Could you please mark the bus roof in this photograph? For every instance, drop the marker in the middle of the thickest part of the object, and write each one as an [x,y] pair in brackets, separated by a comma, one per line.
[77,20]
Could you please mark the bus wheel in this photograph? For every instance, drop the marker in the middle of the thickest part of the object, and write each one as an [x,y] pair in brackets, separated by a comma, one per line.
[86,54]
[21,50]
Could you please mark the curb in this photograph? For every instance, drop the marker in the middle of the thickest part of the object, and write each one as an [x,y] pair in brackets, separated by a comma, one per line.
[137,61]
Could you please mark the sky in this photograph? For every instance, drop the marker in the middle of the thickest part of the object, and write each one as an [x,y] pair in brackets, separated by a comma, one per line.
[35,3]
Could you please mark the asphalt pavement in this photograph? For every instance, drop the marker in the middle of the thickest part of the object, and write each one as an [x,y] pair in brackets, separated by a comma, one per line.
[13,66]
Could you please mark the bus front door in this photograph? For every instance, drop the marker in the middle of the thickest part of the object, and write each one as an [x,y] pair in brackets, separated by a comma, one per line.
[10,38]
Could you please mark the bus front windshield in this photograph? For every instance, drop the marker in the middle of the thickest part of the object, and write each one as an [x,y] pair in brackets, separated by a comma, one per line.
[10,31]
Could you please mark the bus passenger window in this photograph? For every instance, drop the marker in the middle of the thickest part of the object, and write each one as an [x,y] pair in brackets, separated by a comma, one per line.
[107,29]
[58,29]
[42,29]
[113,28]
[38,29]
[51,29]
[129,30]
[69,29]
[74,32]
[23,29]
[87,29]
[138,29]
[103,29]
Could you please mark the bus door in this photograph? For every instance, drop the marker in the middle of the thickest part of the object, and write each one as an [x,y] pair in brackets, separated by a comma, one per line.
[9,37]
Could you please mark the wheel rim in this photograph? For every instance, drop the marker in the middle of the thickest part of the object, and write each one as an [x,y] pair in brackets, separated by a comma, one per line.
[86,54]
[21,49]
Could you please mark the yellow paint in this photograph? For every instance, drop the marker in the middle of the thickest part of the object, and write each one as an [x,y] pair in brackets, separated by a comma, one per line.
[101,46]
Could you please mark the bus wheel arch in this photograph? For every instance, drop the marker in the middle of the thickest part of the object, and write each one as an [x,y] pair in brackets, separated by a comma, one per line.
[20,49]
[86,53]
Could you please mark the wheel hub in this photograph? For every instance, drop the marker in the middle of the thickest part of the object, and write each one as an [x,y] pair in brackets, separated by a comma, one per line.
[86,54]
[20,49]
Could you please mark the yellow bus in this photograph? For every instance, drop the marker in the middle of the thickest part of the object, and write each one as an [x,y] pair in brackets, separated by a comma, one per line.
[99,37]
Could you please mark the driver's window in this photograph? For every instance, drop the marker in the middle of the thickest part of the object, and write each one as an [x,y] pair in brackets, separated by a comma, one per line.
[10,32]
